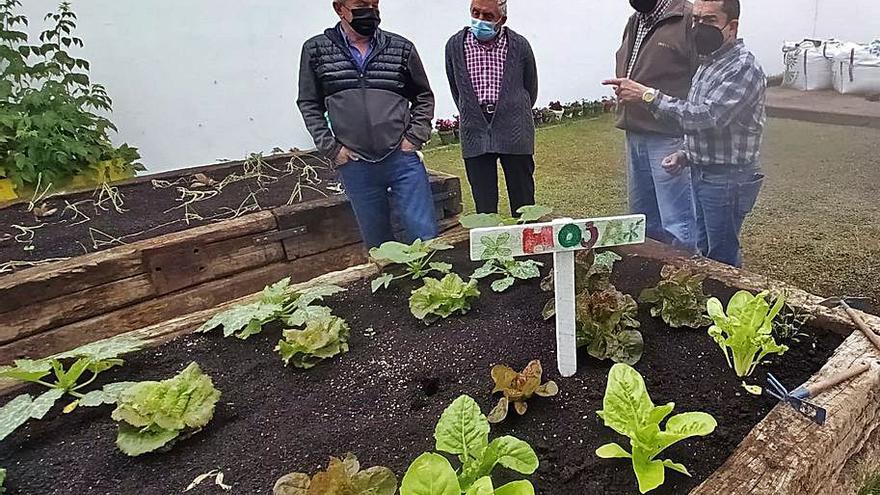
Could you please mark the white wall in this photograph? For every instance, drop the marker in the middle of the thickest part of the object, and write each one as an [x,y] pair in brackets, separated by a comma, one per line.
[198,80]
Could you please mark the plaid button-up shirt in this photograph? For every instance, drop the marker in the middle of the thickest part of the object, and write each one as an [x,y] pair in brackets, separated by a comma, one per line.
[646,24]
[724,115]
[485,64]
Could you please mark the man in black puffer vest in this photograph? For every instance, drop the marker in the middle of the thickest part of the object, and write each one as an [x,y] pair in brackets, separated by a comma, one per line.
[367,102]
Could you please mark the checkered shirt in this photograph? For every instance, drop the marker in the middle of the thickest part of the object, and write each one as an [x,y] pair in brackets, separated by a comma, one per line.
[723,117]
[646,24]
[485,64]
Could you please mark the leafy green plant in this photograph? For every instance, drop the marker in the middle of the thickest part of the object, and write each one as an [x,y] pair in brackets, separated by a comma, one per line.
[678,298]
[342,477]
[528,214]
[277,302]
[628,410]
[441,298]
[2,480]
[154,415]
[518,388]
[745,332]
[870,484]
[322,339]
[50,127]
[463,432]
[63,375]
[606,319]
[510,269]
[416,257]
[789,323]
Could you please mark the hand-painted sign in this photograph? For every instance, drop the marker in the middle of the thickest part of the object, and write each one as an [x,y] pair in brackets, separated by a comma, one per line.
[562,238]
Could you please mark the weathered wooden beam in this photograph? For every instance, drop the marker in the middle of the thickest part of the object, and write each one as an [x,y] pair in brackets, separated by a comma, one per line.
[43,283]
[169,306]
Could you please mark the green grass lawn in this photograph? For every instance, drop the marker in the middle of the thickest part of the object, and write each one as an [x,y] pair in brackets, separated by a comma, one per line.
[816,225]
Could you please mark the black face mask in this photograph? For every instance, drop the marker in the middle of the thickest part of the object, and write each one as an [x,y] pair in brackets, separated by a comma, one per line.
[709,39]
[365,22]
[644,6]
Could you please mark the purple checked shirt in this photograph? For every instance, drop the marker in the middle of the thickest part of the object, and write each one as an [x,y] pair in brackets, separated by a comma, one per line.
[485,64]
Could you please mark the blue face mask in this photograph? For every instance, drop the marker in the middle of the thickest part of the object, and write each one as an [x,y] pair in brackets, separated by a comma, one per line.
[483,30]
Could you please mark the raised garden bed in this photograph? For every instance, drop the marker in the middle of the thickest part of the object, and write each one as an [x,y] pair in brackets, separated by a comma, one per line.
[158,256]
[382,400]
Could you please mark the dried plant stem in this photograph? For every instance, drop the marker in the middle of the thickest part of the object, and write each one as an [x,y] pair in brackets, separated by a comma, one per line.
[11,266]
[77,213]
[106,193]
[39,194]
[101,239]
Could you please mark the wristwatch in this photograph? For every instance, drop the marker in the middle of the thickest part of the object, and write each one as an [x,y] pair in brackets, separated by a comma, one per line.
[649,96]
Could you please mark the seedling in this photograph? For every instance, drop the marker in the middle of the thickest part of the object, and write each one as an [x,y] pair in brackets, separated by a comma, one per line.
[463,432]
[67,371]
[154,415]
[562,238]
[788,325]
[527,214]
[510,270]
[277,302]
[342,477]
[745,333]
[518,388]
[679,298]
[416,259]
[628,410]
[442,298]
[323,338]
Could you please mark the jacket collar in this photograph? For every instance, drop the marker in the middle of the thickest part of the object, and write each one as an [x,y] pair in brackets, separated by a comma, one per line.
[380,39]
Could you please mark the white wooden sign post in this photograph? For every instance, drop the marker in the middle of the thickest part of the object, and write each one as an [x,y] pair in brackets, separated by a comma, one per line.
[562,238]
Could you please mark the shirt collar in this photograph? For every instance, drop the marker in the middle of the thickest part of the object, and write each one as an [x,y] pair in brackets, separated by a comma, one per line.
[348,41]
[498,40]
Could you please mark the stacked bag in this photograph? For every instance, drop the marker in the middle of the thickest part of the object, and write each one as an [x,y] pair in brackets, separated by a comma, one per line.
[848,68]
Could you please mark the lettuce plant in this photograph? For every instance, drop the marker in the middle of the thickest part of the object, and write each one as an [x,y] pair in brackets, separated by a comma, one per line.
[678,298]
[606,319]
[510,270]
[342,477]
[154,415]
[322,339]
[441,298]
[628,410]
[416,257]
[745,332]
[518,388]
[463,432]
[277,302]
[63,375]
[431,474]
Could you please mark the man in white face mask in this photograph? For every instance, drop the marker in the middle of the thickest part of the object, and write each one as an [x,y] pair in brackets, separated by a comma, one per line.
[657,50]
[494,83]
[723,119]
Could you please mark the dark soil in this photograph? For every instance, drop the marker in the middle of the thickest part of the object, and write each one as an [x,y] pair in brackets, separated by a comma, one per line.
[382,400]
[149,211]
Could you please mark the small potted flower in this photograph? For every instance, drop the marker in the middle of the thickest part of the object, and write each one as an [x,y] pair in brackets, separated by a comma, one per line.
[557,109]
[549,116]
[538,114]
[456,128]
[574,110]
[446,130]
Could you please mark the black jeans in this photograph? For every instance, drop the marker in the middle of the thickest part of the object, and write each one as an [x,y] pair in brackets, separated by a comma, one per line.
[519,174]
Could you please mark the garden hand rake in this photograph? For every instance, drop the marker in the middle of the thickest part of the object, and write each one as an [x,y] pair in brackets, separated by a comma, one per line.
[798,398]
[844,302]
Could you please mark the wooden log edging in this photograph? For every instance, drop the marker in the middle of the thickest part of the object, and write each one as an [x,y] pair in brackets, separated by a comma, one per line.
[784,453]
[52,308]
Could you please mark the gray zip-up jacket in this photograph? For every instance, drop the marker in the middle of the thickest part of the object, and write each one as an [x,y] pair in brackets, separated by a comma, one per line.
[512,130]
[371,109]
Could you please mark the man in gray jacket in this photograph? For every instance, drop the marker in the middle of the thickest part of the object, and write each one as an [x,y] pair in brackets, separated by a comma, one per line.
[367,103]
[494,83]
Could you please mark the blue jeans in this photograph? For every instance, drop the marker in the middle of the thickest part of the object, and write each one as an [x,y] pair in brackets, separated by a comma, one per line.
[725,195]
[399,183]
[665,199]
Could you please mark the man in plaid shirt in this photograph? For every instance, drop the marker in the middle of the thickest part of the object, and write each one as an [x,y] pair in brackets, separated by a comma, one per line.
[494,82]
[723,120]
